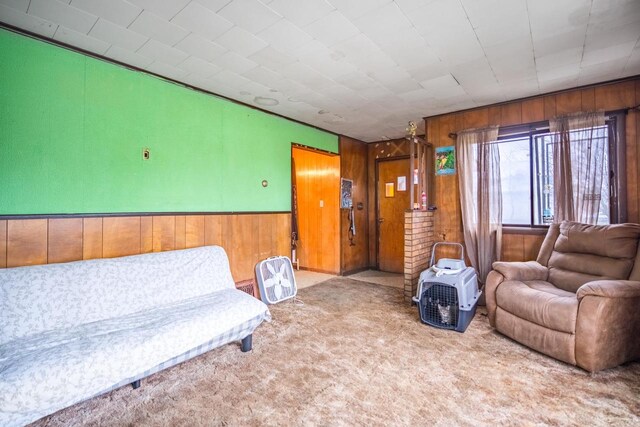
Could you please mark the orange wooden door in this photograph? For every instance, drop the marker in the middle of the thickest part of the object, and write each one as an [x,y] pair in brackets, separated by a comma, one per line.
[392,204]
[318,191]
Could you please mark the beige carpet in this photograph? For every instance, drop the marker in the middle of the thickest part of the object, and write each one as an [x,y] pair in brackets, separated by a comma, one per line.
[395,280]
[355,354]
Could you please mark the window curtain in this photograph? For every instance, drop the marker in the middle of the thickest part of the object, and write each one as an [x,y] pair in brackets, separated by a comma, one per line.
[579,165]
[480,197]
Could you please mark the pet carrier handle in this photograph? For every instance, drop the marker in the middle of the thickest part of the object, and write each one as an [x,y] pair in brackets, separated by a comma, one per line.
[435,245]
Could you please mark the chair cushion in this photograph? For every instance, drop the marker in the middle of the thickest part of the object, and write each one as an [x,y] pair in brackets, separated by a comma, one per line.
[583,253]
[539,302]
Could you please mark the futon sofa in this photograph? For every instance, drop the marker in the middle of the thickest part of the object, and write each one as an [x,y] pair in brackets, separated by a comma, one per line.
[579,302]
[75,330]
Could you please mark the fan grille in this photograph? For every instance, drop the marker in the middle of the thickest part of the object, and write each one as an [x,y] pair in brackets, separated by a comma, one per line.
[281,285]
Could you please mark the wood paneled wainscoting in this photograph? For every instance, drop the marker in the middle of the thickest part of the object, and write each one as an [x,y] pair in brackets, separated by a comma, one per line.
[247,238]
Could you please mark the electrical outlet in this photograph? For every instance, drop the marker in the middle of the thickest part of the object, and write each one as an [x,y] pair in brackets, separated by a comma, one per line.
[322,203]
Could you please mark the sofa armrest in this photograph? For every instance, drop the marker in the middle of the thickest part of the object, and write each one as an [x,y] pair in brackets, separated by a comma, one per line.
[523,271]
[607,326]
[494,279]
[610,289]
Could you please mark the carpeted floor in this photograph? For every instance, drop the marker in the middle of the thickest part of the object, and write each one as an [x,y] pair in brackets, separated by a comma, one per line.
[356,354]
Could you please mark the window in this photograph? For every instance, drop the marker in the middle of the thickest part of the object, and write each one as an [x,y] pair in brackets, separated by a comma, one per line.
[526,174]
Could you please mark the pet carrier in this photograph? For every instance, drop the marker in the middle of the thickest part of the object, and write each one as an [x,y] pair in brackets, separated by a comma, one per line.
[276,280]
[447,292]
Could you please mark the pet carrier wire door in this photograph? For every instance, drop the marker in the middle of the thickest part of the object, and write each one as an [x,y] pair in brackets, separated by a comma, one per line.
[276,280]
[448,292]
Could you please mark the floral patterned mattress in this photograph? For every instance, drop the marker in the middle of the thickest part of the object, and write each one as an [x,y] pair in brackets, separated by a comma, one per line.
[72,331]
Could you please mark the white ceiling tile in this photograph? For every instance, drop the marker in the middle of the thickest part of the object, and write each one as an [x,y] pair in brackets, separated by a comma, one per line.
[18,5]
[550,17]
[259,17]
[166,9]
[312,48]
[214,5]
[389,74]
[63,14]
[166,70]
[354,9]
[607,54]
[117,35]
[559,72]
[329,67]
[196,45]
[443,87]
[345,96]
[272,58]
[284,35]
[492,19]
[416,95]
[256,89]
[240,41]
[230,78]
[375,93]
[161,52]
[616,12]
[632,67]
[83,41]
[364,53]
[129,57]
[199,67]
[599,37]
[306,75]
[157,28]
[609,69]
[301,13]
[384,20]
[409,6]
[474,74]
[332,28]
[401,86]
[27,22]
[236,63]
[265,77]
[195,81]
[570,57]
[546,45]
[556,85]
[117,11]
[356,81]
[198,19]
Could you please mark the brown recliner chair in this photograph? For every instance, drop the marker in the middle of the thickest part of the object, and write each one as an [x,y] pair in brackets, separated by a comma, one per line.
[579,302]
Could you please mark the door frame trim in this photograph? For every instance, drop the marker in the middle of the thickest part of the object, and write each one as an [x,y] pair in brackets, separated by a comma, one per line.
[377,200]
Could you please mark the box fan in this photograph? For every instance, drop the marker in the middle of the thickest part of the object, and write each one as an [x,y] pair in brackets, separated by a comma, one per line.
[448,292]
[276,280]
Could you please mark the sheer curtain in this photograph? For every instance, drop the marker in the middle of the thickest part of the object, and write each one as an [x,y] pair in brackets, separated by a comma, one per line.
[579,165]
[480,196]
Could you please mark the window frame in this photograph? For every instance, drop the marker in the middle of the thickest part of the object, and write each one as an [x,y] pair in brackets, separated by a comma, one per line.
[616,127]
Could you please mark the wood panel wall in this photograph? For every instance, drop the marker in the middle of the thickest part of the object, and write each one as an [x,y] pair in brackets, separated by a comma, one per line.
[353,166]
[612,96]
[247,238]
[318,180]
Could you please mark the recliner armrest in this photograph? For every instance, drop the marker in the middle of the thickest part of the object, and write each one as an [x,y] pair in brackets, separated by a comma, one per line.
[610,289]
[524,271]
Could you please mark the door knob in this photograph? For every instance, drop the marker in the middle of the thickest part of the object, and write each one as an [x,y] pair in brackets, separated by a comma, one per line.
[380,220]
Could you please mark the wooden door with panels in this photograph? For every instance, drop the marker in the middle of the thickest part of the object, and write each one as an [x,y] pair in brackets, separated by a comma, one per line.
[317,177]
[392,191]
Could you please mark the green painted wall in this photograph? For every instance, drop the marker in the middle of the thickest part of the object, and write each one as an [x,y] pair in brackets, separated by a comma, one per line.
[72,131]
